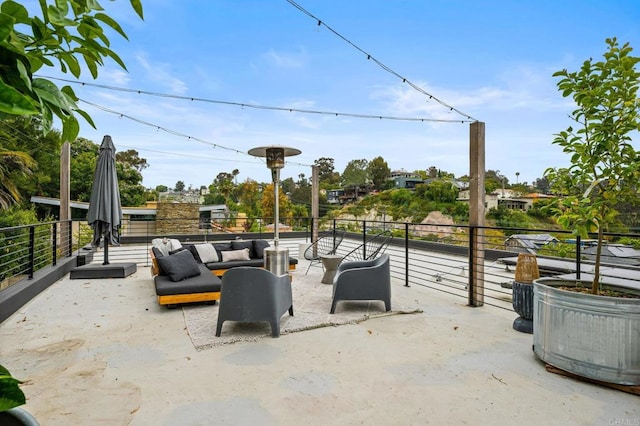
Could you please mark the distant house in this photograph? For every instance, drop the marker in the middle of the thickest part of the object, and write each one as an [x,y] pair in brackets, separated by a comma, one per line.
[405,179]
[506,198]
[407,182]
[614,253]
[333,195]
[528,243]
[402,173]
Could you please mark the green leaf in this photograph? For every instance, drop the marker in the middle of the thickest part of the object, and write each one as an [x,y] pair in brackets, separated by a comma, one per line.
[94,5]
[112,23]
[57,16]
[49,92]
[87,117]
[70,128]
[10,393]
[137,6]
[6,26]
[72,63]
[15,10]
[116,58]
[15,103]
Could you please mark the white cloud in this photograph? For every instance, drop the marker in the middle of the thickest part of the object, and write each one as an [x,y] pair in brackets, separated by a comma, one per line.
[160,73]
[286,60]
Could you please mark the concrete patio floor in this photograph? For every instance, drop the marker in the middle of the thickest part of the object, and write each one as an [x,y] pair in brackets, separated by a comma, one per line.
[103,352]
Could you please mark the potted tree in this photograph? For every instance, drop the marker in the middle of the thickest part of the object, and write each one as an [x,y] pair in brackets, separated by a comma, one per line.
[11,397]
[591,334]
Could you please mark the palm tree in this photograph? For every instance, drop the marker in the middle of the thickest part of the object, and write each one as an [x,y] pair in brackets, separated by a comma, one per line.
[13,162]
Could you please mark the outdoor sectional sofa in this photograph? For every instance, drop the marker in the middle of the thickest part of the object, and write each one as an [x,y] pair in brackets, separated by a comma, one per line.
[191,272]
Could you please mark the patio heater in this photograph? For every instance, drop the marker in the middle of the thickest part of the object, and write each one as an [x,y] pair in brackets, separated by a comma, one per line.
[276,258]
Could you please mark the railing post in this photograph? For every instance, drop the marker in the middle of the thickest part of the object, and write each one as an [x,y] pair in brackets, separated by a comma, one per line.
[54,243]
[32,247]
[364,239]
[470,282]
[578,252]
[406,254]
[69,248]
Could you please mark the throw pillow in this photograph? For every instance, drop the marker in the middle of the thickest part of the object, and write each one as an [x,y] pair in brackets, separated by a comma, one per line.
[239,245]
[220,247]
[235,255]
[162,244]
[175,244]
[176,250]
[206,253]
[179,266]
[258,248]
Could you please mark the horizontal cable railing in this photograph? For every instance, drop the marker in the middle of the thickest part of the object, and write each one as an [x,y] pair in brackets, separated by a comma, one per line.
[441,257]
[28,248]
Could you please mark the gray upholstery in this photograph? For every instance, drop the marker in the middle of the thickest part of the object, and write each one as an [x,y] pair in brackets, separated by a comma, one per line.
[256,254]
[178,266]
[363,280]
[206,282]
[254,295]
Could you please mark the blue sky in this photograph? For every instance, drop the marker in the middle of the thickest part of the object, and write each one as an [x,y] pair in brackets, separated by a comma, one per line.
[492,60]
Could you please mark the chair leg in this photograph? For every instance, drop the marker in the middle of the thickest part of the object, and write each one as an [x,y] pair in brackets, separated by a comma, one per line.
[333,306]
[387,305]
[275,328]
[309,267]
[219,328]
[291,310]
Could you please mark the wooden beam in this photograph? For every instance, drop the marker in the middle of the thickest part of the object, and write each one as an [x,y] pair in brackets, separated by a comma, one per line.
[476,212]
[175,299]
[65,196]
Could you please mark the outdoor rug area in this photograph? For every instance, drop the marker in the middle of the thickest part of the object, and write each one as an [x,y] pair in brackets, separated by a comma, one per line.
[311,306]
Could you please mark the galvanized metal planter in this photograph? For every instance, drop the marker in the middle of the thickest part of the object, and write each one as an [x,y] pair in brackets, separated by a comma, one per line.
[592,336]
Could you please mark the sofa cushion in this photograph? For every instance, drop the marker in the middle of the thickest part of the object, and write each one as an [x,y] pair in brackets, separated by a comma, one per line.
[206,253]
[162,245]
[233,263]
[179,266]
[258,248]
[235,255]
[220,247]
[204,283]
[239,245]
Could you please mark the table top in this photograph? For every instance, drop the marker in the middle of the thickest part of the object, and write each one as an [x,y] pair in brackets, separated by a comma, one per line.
[330,256]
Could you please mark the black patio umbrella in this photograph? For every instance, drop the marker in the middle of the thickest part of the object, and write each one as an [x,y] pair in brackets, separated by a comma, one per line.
[105,211]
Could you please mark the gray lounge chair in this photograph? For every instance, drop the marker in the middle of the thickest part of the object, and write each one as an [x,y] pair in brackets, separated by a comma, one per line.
[363,280]
[326,244]
[251,294]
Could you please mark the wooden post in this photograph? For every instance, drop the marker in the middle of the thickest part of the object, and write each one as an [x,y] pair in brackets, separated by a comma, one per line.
[65,196]
[476,212]
[315,201]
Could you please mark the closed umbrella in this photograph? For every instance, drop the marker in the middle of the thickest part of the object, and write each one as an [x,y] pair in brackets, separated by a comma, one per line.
[105,211]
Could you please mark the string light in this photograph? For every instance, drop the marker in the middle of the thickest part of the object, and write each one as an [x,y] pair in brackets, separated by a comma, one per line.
[257,106]
[380,64]
[176,133]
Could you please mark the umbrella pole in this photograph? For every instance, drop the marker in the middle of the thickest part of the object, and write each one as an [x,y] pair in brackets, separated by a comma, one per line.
[106,250]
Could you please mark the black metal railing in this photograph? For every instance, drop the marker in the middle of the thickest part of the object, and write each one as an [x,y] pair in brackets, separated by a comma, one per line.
[26,249]
[476,263]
